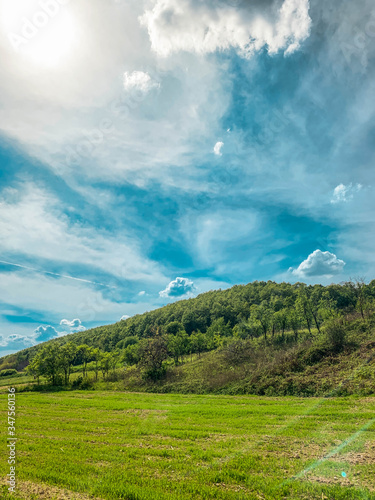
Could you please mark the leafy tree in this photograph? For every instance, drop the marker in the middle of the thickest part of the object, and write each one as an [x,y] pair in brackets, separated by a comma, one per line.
[198,342]
[178,345]
[358,287]
[67,353]
[282,320]
[84,356]
[313,297]
[96,355]
[33,369]
[263,315]
[173,328]
[48,362]
[219,327]
[105,363]
[114,358]
[153,352]
[294,320]
[131,354]
[303,309]
[243,330]
[328,306]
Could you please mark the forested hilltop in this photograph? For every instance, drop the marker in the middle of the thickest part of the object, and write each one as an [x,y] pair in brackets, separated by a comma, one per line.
[230,329]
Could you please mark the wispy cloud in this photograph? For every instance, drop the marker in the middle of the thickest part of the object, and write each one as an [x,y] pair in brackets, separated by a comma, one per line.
[343,193]
[53,274]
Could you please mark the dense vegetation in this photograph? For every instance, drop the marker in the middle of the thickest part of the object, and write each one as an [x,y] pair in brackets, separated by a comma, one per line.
[250,336]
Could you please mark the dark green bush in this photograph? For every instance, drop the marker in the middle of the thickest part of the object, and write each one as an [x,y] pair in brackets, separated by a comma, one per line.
[336,334]
[9,372]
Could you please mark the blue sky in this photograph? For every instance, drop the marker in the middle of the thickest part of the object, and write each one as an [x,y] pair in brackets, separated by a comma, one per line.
[154,150]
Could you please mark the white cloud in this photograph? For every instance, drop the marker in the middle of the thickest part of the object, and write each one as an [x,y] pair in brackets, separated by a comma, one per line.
[74,326]
[16,342]
[44,333]
[218,147]
[178,288]
[71,324]
[97,131]
[319,263]
[205,27]
[141,293]
[124,317]
[343,193]
[139,81]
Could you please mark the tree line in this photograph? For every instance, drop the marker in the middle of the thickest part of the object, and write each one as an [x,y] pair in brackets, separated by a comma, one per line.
[55,362]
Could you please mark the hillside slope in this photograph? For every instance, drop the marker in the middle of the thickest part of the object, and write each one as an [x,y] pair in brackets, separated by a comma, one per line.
[262,338]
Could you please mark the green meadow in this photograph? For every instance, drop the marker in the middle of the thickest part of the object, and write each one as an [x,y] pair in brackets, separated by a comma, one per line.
[122,445]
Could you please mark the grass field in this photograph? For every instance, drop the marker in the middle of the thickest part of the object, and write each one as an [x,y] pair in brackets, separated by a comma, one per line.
[147,446]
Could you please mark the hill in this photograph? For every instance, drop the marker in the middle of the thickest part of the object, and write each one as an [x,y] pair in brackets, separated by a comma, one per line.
[257,338]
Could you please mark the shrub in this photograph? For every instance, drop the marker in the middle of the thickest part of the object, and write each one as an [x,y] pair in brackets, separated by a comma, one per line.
[236,352]
[9,372]
[153,373]
[82,383]
[77,382]
[336,334]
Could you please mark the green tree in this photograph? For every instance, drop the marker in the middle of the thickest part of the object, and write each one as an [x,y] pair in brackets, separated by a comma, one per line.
[178,345]
[48,361]
[131,354]
[96,355]
[84,356]
[68,353]
[328,306]
[173,328]
[282,320]
[198,342]
[33,369]
[105,363]
[153,353]
[263,315]
[303,309]
[294,320]
[313,298]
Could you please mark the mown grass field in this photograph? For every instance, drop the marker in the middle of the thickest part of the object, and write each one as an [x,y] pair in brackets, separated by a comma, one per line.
[111,445]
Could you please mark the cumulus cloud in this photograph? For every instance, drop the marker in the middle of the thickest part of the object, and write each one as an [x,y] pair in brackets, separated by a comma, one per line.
[74,326]
[139,81]
[141,293]
[178,288]
[319,263]
[124,317]
[343,193]
[218,147]
[205,27]
[16,342]
[44,333]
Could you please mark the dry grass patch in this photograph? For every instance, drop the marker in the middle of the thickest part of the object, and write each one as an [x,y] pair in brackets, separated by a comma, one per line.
[28,490]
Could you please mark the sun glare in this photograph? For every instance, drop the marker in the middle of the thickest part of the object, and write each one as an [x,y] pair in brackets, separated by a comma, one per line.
[42,33]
